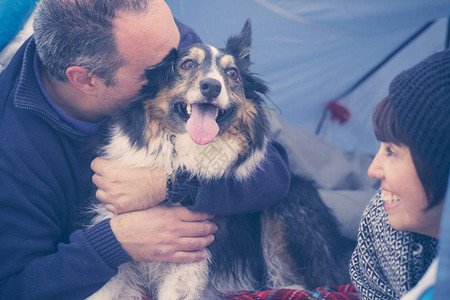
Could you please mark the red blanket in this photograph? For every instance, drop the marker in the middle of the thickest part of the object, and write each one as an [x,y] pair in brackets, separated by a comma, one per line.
[341,292]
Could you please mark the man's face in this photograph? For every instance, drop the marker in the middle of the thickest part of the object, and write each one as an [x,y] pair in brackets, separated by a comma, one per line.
[143,40]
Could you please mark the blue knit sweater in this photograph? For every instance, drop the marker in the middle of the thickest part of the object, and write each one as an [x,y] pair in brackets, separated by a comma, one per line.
[45,182]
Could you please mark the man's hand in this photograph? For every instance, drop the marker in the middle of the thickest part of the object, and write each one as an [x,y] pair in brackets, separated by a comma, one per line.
[164,234]
[123,189]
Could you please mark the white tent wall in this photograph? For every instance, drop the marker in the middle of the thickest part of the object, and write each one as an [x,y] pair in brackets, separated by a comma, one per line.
[310,52]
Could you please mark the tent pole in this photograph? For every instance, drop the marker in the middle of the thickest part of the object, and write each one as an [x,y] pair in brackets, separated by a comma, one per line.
[447,41]
[373,70]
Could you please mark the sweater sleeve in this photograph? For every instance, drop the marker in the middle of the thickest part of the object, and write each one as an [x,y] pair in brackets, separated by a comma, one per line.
[228,196]
[38,259]
[187,35]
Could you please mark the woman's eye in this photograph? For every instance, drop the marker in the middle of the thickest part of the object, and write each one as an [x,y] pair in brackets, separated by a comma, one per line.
[188,64]
[389,151]
[233,73]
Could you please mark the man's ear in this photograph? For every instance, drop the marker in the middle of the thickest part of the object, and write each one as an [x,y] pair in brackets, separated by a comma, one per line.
[82,79]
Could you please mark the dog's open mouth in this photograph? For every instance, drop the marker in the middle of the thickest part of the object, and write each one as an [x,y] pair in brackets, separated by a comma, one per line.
[201,120]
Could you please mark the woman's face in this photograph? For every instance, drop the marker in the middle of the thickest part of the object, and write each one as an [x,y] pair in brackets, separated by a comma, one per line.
[402,191]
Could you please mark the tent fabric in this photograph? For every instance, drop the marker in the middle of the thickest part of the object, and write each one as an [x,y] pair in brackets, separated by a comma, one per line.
[13,15]
[16,41]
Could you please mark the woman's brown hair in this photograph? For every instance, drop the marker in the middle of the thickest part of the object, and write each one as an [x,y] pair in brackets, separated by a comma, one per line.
[388,129]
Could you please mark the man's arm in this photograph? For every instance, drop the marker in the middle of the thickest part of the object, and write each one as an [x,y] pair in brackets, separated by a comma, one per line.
[127,189]
[164,234]
[124,189]
[38,260]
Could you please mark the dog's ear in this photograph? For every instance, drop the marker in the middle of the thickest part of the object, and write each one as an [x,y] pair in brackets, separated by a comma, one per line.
[160,74]
[239,45]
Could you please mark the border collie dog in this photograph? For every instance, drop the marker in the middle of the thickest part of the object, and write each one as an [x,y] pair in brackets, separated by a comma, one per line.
[201,100]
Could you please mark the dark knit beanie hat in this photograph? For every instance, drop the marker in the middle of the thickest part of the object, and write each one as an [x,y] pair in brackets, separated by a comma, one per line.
[420,98]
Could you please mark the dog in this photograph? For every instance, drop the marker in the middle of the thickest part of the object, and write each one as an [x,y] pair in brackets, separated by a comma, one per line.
[201,100]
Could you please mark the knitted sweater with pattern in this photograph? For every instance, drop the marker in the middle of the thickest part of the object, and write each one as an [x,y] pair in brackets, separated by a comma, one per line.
[386,262]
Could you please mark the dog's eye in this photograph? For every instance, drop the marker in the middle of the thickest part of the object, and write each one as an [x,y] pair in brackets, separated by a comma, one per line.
[188,64]
[233,73]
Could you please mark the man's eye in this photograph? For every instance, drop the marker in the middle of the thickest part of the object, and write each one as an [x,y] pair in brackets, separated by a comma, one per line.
[188,64]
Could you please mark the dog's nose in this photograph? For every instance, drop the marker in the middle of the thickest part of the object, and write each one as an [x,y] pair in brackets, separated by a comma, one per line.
[210,88]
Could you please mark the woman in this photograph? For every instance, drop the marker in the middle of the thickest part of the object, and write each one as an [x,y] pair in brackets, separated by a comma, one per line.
[399,231]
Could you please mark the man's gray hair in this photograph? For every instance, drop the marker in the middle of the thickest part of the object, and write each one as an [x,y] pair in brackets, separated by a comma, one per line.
[80,33]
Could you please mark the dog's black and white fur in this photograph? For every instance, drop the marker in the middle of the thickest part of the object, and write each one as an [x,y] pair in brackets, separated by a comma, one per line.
[295,242]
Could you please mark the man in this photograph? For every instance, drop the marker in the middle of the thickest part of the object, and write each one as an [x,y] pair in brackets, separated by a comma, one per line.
[86,58]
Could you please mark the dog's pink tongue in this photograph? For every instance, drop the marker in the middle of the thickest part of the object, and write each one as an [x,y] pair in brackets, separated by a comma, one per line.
[202,126]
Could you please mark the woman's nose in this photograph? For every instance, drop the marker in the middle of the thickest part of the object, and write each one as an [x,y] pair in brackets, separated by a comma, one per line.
[375,170]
